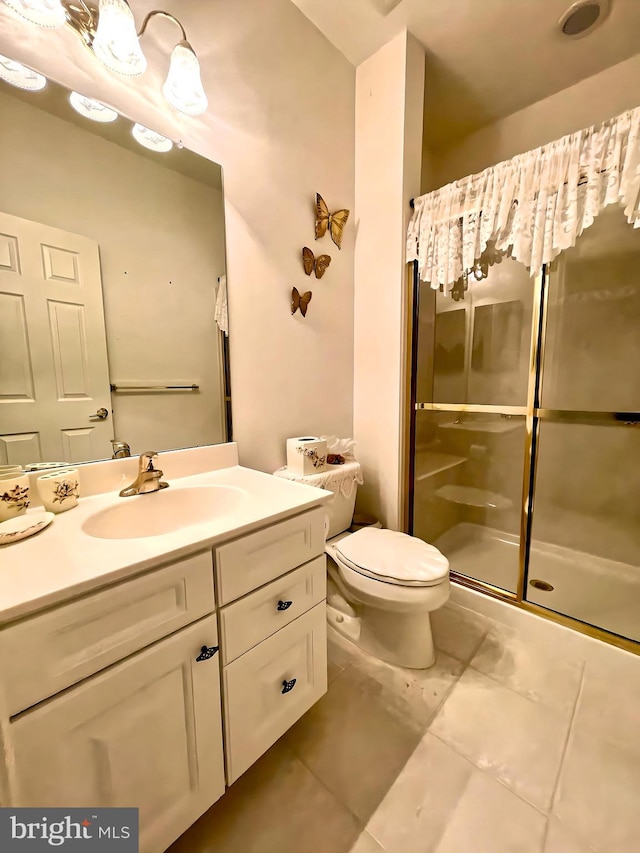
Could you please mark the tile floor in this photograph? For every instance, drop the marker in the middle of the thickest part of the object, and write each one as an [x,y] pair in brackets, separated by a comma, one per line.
[505,745]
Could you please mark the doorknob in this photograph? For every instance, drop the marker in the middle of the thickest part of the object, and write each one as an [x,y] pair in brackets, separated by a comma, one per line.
[100,415]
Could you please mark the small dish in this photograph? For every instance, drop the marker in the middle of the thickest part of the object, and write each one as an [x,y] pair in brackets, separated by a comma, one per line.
[23,526]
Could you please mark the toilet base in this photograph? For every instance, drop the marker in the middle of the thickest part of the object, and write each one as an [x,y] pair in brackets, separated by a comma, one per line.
[398,638]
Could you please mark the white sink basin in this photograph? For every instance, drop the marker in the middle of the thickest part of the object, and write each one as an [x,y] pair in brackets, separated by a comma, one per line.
[165,511]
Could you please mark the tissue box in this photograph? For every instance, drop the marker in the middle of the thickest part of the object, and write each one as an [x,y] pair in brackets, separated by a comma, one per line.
[306,455]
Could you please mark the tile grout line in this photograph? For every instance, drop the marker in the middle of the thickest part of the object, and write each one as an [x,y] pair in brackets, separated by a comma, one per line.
[448,691]
[567,738]
[361,827]
[561,762]
[485,772]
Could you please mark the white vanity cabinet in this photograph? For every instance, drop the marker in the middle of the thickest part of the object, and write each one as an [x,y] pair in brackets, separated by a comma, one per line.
[113,703]
[117,697]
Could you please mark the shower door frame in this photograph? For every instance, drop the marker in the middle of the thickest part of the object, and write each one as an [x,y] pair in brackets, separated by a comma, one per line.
[534,415]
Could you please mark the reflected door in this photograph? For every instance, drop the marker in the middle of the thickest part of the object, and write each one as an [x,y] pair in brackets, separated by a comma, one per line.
[53,351]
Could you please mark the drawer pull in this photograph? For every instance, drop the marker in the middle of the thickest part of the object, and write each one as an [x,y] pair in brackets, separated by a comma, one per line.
[284,605]
[207,652]
[287,686]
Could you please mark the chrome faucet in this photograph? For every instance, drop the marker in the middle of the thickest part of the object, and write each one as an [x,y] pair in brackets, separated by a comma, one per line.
[120,449]
[148,479]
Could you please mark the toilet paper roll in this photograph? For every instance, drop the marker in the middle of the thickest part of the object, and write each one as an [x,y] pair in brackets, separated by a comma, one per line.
[306,455]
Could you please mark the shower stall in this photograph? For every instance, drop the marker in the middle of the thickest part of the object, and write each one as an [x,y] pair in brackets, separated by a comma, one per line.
[525,468]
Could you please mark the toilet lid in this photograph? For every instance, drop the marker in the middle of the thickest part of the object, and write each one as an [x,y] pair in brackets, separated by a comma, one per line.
[393,557]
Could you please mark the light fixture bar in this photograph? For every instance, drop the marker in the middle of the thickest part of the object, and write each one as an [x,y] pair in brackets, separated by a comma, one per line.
[91,108]
[20,76]
[83,18]
[116,42]
[110,32]
[183,87]
[164,15]
[42,13]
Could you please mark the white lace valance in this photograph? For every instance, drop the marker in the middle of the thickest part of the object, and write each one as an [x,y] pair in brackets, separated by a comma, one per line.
[535,205]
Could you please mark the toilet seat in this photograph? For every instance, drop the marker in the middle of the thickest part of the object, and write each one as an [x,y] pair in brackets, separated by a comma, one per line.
[391,557]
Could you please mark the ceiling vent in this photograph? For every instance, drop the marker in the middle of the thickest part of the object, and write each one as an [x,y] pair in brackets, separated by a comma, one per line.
[583,17]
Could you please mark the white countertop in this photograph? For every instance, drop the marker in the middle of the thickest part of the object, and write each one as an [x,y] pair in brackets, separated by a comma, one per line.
[62,561]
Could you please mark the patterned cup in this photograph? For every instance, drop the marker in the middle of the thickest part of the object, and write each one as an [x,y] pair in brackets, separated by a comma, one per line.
[14,494]
[59,490]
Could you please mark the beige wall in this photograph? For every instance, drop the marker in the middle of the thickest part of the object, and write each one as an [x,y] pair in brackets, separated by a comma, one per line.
[389,99]
[161,239]
[591,101]
[281,124]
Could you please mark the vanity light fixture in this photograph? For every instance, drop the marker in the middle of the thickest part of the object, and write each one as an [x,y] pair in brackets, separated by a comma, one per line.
[21,76]
[110,31]
[150,139]
[90,108]
[44,13]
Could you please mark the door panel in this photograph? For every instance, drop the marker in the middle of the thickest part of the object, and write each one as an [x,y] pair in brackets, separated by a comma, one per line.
[53,353]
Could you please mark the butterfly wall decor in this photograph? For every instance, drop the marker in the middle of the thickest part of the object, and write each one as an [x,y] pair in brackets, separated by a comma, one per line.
[335,222]
[300,300]
[312,263]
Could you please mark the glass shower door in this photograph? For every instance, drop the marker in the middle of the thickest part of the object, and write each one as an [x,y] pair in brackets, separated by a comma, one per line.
[471,389]
[584,556]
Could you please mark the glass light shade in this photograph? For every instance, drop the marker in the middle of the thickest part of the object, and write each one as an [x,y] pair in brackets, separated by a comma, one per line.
[90,108]
[21,76]
[44,13]
[183,86]
[116,42]
[150,139]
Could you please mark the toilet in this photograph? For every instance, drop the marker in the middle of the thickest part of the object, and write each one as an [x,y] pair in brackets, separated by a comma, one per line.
[382,586]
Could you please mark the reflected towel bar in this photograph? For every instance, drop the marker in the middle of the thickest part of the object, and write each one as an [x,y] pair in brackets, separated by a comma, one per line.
[155,387]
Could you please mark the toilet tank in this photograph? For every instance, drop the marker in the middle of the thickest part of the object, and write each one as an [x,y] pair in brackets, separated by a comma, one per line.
[339,512]
[343,481]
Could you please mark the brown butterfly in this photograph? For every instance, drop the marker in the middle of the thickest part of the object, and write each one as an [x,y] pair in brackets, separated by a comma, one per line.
[300,301]
[311,262]
[335,221]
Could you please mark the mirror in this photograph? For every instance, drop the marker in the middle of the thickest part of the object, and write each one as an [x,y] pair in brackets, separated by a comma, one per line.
[111,258]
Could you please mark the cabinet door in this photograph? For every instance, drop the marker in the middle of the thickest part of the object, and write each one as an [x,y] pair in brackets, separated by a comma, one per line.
[146,733]
[271,686]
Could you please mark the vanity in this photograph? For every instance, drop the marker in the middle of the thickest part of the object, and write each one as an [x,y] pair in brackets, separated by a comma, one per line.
[153,670]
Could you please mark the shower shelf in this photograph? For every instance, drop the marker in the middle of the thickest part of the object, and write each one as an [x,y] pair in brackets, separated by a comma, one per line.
[470,496]
[484,426]
[429,463]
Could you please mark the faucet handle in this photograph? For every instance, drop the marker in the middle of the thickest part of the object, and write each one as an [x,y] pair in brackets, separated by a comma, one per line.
[147,458]
[120,449]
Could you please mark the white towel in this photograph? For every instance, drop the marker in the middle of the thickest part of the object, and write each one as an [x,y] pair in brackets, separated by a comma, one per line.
[222,312]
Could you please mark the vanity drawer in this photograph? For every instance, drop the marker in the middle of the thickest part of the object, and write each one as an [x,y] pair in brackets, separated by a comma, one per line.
[261,613]
[46,653]
[257,711]
[258,558]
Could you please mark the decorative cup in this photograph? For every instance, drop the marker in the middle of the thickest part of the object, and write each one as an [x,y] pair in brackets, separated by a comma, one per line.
[14,494]
[59,490]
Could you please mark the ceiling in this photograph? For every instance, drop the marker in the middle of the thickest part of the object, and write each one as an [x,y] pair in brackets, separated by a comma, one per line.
[485,58]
